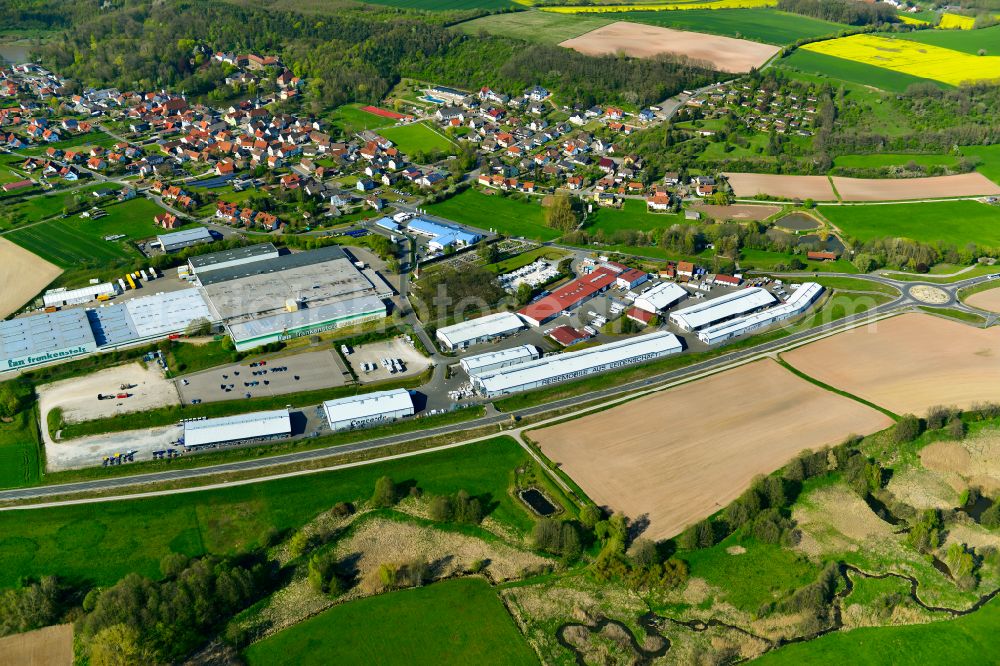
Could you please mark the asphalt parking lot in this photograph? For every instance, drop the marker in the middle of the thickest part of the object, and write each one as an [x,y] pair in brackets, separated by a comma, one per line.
[308,371]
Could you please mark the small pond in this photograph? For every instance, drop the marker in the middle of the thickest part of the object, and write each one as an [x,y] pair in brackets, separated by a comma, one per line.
[798,222]
[538,502]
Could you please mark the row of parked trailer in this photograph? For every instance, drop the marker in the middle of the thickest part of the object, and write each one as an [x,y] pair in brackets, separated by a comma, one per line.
[135,279]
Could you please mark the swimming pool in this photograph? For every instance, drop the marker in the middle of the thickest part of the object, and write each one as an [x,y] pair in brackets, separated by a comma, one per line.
[432,100]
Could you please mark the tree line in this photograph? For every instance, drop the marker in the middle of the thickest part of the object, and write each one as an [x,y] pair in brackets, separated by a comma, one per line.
[850,12]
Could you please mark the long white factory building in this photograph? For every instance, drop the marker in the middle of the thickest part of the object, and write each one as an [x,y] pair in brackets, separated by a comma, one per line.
[799,301]
[713,311]
[239,429]
[483,329]
[661,297]
[500,359]
[573,365]
[368,409]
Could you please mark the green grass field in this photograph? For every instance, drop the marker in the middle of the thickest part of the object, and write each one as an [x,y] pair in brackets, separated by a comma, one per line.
[538,27]
[101,543]
[551,254]
[418,137]
[893,159]
[75,143]
[507,216]
[350,118]
[848,70]
[452,622]
[452,5]
[39,208]
[764,260]
[989,157]
[760,25]
[75,241]
[632,216]
[967,41]
[957,222]
[966,640]
[19,451]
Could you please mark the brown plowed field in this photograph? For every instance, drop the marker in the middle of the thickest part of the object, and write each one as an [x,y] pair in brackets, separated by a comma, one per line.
[50,646]
[725,54]
[908,363]
[23,275]
[790,187]
[680,455]
[897,189]
[986,300]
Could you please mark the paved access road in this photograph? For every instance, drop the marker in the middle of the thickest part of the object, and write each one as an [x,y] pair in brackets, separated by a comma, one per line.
[901,303]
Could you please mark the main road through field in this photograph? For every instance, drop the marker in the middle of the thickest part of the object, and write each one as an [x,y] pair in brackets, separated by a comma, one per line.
[901,303]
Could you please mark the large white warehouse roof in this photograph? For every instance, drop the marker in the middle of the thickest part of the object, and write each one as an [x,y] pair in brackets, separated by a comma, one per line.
[501,323]
[798,302]
[717,309]
[661,297]
[368,406]
[558,367]
[81,295]
[274,423]
[497,359]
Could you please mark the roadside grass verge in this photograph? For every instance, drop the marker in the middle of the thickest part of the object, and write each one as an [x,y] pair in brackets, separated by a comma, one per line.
[133,536]
[960,315]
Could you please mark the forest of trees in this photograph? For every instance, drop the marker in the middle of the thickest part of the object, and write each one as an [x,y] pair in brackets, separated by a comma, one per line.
[354,54]
[851,12]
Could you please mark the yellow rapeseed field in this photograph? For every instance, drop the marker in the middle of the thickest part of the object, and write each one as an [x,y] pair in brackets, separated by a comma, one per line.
[956,21]
[907,19]
[922,60]
[696,4]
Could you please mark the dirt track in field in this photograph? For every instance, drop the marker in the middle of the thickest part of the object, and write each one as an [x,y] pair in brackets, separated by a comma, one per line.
[908,363]
[23,275]
[49,646]
[985,300]
[789,187]
[895,189]
[678,456]
[725,54]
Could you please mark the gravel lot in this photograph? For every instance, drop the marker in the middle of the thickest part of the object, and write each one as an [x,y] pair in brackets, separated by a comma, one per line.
[78,396]
[373,353]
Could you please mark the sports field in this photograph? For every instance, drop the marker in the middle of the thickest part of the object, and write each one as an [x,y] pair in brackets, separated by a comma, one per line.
[135,535]
[505,215]
[724,54]
[351,118]
[868,76]
[964,640]
[453,622]
[908,363]
[679,455]
[760,25]
[23,276]
[417,137]
[921,60]
[957,222]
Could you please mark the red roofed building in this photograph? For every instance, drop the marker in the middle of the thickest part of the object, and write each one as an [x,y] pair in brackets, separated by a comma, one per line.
[633,277]
[566,335]
[640,316]
[821,256]
[569,296]
[727,280]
